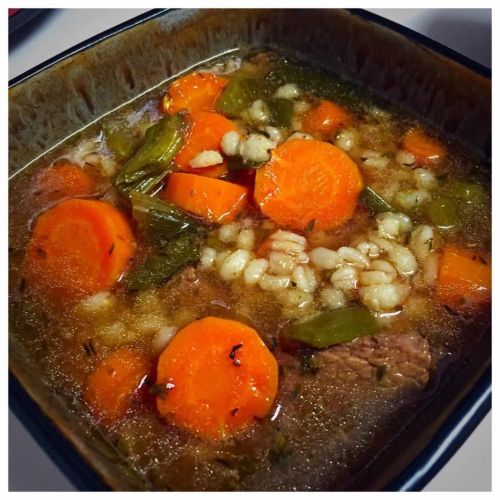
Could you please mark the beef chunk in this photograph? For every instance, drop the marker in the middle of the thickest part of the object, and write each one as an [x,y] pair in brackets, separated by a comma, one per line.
[392,359]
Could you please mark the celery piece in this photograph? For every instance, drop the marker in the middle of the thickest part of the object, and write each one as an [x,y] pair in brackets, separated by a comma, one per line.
[374,202]
[161,221]
[161,143]
[163,263]
[240,92]
[281,111]
[334,327]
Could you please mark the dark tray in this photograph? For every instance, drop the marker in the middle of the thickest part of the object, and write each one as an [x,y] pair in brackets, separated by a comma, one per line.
[427,79]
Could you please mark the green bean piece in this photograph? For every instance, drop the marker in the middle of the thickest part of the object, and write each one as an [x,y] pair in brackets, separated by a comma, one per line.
[281,111]
[468,192]
[148,184]
[161,143]
[335,327]
[121,141]
[374,202]
[162,264]
[442,212]
[240,92]
[161,221]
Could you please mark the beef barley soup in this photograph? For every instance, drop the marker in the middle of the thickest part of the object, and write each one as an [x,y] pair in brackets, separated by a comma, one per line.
[240,281]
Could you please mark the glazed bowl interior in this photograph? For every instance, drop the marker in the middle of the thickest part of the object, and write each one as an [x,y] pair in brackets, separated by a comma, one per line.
[60,100]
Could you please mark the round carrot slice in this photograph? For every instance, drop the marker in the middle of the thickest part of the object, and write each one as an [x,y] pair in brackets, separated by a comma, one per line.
[325,119]
[426,150]
[308,183]
[78,248]
[111,387]
[205,133]
[218,376]
[194,92]
[60,181]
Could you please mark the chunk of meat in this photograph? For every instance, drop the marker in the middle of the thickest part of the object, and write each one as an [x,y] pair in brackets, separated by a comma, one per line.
[391,359]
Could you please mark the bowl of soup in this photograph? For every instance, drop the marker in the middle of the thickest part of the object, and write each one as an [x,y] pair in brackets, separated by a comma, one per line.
[237,265]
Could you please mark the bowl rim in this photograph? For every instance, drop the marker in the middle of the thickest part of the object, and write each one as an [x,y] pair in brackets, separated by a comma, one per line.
[450,436]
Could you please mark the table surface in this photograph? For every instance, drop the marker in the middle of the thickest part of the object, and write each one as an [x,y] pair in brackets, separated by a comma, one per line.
[470,468]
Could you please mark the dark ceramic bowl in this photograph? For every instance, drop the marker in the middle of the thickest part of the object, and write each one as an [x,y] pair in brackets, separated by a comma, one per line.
[435,84]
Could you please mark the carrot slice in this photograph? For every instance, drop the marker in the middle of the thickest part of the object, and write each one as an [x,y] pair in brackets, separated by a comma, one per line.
[307,181]
[194,92]
[205,133]
[215,200]
[426,150]
[464,281]
[60,181]
[110,388]
[78,248]
[325,119]
[219,376]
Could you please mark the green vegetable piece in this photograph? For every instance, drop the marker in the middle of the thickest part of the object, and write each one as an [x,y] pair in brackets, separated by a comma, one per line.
[164,263]
[161,143]
[149,183]
[442,212]
[121,141]
[468,192]
[281,111]
[374,202]
[335,327]
[162,221]
[240,92]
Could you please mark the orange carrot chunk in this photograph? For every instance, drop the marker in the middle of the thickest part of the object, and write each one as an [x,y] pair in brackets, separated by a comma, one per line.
[464,280]
[214,200]
[308,183]
[325,119]
[219,376]
[194,92]
[205,133]
[111,387]
[426,150]
[78,248]
[60,181]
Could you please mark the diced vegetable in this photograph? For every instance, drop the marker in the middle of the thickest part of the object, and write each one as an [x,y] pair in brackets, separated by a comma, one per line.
[161,143]
[442,212]
[111,387]
[374,202]
[464,279]
[308,180]
[162,221]
[426,150]
[214,200]
[60,181]
[78,248]
[205,133]
[325,119]
[335,327]
[164,262]
[122,141]
[194,92]
[219,376]
[281,111]
[238,95]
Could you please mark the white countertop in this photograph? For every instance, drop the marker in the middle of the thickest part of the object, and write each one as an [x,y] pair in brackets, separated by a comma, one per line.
[466,30]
